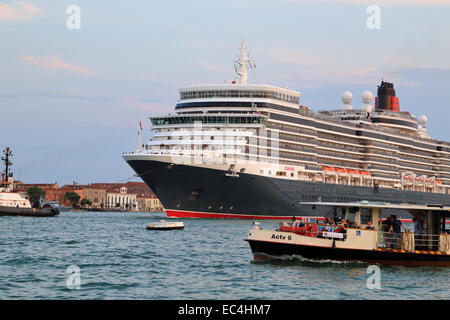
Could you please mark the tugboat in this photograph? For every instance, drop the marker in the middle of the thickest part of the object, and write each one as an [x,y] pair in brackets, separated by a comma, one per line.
[11,202]
[361,235]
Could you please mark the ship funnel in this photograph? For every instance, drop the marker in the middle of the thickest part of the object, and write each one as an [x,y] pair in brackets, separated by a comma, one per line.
[386,99]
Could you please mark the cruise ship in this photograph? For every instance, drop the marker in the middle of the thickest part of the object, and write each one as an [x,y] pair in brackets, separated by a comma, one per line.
[240,150]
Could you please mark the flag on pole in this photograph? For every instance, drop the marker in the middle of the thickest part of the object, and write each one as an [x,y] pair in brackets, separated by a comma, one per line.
[140,124]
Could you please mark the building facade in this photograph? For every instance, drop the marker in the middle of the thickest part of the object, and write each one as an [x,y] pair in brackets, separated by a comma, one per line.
[151,204]
[121,199]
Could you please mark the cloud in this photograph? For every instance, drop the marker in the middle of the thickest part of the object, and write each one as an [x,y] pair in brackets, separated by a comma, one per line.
[54,62]
[20,11]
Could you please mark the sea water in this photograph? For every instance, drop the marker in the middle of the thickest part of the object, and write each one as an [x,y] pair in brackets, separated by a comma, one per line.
[102,255]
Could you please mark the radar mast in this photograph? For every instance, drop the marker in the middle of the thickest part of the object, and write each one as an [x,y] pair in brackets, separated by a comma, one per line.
[242,64]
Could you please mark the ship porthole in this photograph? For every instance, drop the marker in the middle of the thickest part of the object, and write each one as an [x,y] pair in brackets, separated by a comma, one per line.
[221,207]
[231,208]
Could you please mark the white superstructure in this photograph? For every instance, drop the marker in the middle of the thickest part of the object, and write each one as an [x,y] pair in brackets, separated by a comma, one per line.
[9,198]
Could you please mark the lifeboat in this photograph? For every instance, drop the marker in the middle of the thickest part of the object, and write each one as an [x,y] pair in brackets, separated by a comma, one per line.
[365,174]
[354,173]
[329,170]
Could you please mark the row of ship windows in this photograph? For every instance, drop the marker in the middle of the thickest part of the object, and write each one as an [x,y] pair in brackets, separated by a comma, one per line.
[359,158]
[344,155]
[352,141]
[332,162]
[346,199]
[239,94]
[348,156]
[391,139]
[209,120]
[286,127]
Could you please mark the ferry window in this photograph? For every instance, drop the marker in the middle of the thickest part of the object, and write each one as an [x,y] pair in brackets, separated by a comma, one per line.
[366,215]
[351,215]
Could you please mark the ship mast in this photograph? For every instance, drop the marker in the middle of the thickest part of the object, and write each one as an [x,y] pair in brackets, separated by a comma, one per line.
[242,64]
[7,154]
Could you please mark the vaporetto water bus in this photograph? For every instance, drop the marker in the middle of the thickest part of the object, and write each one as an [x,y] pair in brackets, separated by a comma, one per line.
[240,150]
[359,236]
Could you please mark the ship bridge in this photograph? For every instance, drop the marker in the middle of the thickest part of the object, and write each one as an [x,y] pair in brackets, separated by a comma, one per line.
[236,98]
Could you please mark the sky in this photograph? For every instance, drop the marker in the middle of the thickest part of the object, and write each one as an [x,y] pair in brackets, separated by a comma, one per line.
[71,98]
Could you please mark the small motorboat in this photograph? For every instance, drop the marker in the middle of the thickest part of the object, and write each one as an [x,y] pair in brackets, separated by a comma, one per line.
[164,225]
[53,205]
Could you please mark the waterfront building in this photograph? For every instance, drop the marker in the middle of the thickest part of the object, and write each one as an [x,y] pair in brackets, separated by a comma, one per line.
[97,196]
[133,196]
[151,204]
[121,199]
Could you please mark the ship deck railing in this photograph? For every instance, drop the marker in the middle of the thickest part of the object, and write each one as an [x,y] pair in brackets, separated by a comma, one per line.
[409,241]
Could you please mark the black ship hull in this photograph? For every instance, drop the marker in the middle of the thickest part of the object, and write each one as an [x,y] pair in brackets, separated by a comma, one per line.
[264,250]
[197,192]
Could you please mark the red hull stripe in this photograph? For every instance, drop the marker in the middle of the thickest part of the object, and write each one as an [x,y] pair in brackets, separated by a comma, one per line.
[196,214]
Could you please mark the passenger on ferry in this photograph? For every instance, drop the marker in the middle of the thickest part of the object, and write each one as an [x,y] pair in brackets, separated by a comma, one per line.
[341,226]
[370,226]
[419,231]
[386,224]
[396,228]
[352,224]
[418,224]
